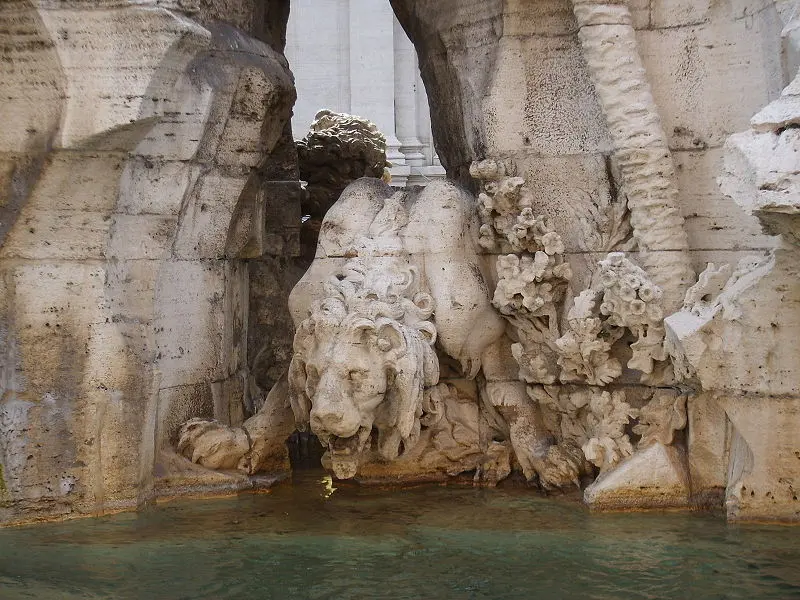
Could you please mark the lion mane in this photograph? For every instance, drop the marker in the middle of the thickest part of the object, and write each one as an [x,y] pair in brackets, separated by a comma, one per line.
[383,302]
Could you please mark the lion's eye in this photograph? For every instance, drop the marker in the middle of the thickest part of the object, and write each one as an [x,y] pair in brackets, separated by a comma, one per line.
[356,375]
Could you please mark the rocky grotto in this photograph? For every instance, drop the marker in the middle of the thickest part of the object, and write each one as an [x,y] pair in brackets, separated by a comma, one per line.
[603,298]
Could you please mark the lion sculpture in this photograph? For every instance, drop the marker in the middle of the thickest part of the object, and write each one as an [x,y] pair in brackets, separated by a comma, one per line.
[401,366]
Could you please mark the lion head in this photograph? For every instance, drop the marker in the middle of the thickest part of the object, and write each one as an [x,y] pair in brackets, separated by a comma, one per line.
[362,360]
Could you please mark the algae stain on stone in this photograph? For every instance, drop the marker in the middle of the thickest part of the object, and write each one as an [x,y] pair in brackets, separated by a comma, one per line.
[3,488]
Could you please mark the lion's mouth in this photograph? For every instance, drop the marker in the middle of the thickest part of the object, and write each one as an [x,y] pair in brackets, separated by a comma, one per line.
[345,453]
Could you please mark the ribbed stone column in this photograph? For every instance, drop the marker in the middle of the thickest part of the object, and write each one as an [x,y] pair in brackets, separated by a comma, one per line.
[640,144]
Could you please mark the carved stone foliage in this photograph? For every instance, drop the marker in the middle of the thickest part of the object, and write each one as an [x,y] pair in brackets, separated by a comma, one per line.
[660,419]
[617,321]
[628,301]
[598,421]
[591,419]
[531,292]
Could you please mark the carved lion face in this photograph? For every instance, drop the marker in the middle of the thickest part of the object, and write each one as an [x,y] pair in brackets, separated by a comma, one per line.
[352,374]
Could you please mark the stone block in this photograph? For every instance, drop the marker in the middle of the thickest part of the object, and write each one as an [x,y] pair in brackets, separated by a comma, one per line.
[8,165]
[32,82]
[206,220]
[736,341]
[155,187]
[544,18]
[655,477]
[46,293]
[266,221]
[57,234]
[112,74]
[177,121]
[111,449]
[640,13]
[764,468]
[176,405]
[130,289]
[240,145]
[235,312]
[119,356]
[709,80]
[708,439]
[547,106]
[228,396]
[679,13]
[52,307]
[270,325]
[141,237]
[200,321]
[712,220]
[189,322]
[78,181]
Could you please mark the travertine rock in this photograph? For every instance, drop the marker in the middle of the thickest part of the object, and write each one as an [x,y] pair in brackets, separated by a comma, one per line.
[149,220]
[651,478]
[135,159]
[737,333]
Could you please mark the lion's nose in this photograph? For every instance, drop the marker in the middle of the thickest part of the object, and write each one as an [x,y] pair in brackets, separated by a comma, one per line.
[334,419]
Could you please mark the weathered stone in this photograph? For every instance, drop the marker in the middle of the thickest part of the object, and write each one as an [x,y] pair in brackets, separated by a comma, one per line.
[150,233]
[651,478]
[136,131]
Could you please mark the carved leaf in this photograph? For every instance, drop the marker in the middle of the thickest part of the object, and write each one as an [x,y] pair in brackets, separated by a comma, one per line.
[660,419]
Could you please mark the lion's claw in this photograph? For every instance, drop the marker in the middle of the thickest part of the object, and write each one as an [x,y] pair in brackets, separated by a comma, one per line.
[561,468]
[212,444]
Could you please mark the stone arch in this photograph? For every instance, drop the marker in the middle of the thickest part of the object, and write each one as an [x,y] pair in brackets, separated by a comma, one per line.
[103,264]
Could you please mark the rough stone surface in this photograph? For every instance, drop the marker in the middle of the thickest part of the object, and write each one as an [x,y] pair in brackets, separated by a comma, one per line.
[549,311]
[736,336]
[653,478]
[135,201]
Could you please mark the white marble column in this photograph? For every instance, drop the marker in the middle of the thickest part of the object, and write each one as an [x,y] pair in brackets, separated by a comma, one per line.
[405,97]
[372,74]
[433,168]
[318,50]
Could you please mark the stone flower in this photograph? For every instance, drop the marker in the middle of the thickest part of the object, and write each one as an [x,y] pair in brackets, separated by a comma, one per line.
[552,243]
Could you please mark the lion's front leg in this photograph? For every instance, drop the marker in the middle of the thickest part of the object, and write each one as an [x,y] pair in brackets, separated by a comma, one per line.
[534,446]
[557,466]
[214,445]
[258,445]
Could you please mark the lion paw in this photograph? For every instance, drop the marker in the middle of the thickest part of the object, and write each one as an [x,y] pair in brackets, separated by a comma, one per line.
[561,468]
[214,445]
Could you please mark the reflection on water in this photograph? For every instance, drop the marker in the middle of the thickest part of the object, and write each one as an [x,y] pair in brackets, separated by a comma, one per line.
[314,539]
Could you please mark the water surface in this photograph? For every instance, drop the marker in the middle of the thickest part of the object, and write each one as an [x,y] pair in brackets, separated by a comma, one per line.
[306,540]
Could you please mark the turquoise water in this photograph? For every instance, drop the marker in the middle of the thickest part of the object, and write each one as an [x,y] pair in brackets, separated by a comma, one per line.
[306,540]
